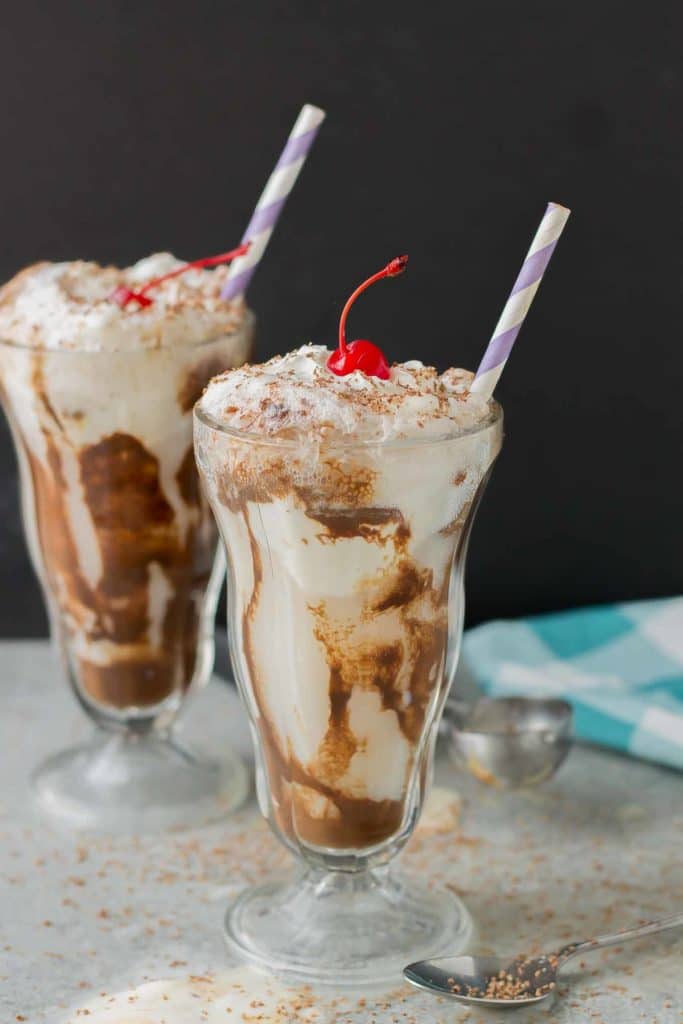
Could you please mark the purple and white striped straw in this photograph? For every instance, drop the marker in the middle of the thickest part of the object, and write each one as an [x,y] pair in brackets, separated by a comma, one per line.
[273,198]
[521,297]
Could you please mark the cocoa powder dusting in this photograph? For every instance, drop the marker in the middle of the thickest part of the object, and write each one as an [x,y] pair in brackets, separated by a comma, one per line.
[12,289]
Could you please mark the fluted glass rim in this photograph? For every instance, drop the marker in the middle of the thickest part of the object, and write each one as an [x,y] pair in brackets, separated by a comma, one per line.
[245,324]
[494,418]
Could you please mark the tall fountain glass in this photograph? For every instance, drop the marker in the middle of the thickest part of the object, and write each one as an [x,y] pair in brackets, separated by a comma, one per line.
[123,542]
[345,613]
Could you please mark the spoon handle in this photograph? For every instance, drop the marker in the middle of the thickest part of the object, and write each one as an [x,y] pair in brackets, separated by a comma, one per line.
[600,941]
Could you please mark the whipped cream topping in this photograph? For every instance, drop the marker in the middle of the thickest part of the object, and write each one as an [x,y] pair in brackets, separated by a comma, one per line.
[296,395]
[68,306]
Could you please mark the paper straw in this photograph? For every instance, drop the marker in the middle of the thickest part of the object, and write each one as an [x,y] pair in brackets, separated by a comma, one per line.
[521,297]
[273,198]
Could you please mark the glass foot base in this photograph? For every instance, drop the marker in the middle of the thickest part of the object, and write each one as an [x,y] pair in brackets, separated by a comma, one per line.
[345,929]
[131,784]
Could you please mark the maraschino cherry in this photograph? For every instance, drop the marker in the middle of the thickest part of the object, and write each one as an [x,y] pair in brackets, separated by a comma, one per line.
[361,354]
[123,295]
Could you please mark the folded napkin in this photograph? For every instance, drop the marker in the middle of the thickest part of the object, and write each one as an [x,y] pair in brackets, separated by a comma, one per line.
[620,666]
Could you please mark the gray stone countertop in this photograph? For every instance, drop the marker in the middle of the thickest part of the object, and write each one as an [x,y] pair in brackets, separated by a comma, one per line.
[596,849]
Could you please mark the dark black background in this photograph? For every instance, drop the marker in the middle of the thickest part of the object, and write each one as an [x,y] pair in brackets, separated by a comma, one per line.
[133,127]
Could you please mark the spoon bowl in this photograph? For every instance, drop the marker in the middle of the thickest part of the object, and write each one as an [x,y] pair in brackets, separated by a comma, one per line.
[482,980]
[511,742]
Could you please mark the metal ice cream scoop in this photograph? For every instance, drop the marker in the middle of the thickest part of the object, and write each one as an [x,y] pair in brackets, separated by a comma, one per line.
[511,982]
[510,742]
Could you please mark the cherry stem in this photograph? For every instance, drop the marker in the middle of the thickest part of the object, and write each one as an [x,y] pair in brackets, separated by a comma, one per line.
[393,269]
[126,294]
[207,261]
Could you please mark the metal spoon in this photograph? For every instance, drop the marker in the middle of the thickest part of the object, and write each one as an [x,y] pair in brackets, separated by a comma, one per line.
[482,980]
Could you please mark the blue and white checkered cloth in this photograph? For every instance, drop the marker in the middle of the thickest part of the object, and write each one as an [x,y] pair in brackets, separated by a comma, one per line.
[621,666]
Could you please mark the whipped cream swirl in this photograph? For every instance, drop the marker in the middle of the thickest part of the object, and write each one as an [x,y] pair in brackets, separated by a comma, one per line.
[68,306]
[296,395]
